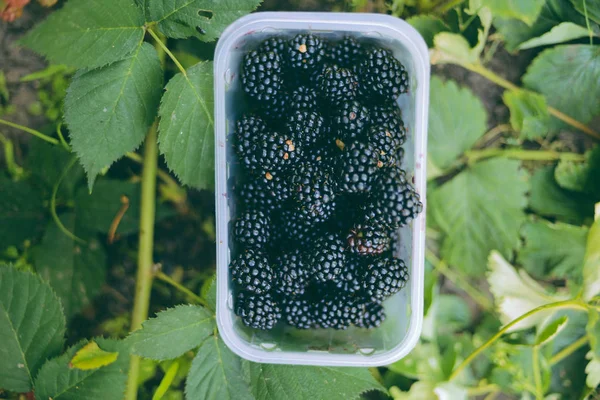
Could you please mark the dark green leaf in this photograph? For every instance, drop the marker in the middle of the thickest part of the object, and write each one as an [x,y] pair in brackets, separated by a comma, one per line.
[593,331]
[21,212]
[32,327]
[528,113]
[561,33]
[58,381]
[209,292]
[186,137]
[588,8]
[581,177]
[591,262]
[110,109]
[525,10]
[452,314]
[89,33]
[428,26]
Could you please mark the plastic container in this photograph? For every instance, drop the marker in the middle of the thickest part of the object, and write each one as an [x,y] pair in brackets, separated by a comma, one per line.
[400,332]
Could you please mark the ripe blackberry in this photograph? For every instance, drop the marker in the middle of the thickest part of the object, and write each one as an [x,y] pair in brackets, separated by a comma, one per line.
[258,312]
[303,98]
[387,145]
[383,75]
[383,277]
[266,192]
[346,53]
[251,229]
[371,315]
[393,201]
[250,271]
[313,192]
[335,311]
[248,131]
[274,153]
[276,109]
[323,154]
[350,120]
[275,45]
[292,232]
[389,116]
[299,312]
[337,84]
[305,53]
[368,240]
[261,75]
[308,126]
[357,166]
[291,274]
[349,281]
[327,258]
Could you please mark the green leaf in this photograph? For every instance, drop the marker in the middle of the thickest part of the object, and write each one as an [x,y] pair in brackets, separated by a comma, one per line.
[514,371]
[204,19]
[428,26]
[58,381]
[209,292]
[422,363]
[89,33]
[550,200]
[453,48]
[74,270]
[525,10]
[216,374]
[448,105]
[32,327]
[588,8]
[528,113]
[550,331]
[591,261]
[186,137]
[569,77]
[479,210]
[564,32]
[593,331]
[581,177]
[592,371]
[21,212]
[553,250]
[172,332]
[298,382]
[91,356]
[110,109]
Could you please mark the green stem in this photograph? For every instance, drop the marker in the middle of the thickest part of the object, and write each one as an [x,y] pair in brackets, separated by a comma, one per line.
[481,390]
[537,374]
[62,138]
[29,130]
[162,45]
[574,304]
[13,168]
[53,203]
[473,156]
[164,176]
[568,350]
[167,279]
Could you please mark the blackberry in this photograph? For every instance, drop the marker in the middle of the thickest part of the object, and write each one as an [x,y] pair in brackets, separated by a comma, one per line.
[299,312]
[357,167]
[261,75]
[275,45]
[335,311]
[313,191]
[303,98]
[349,281]
[251,229]
[350,120]
[387,145]
[368,240]
[384,277]
[371,315]
[291,274]
[248,131]
[305,53]
[258,312]
[393,201]
[383,75]
[250,271]
[327,258]
[346,53]
[274,153]
[389,116]
[308,126]
[276,109]
[294,232]
[337,84]
[323,154]
[267,192]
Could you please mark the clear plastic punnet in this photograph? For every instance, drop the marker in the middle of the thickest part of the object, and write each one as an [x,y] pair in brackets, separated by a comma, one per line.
[399,333]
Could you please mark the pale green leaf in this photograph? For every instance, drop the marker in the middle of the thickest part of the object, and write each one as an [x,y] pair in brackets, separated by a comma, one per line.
[216,374]
[298,382]
[420,390]
[591,266]
[58,381]
[172,332]
[452,48]
[428,26]
[592,371]
[593,331]
[588,8]
[21,212]
[564,32]
[89,33]
[525,10]
[110,109]
[551,330]
[76,271]
[186,136]
[450,391]
[413,367]
[528,113]
[450,133]
[479,210]
[91,356]
[569,77]
[204,19]
[32,327]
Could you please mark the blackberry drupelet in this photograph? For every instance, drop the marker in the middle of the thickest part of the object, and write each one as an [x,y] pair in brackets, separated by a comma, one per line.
[266,192]
[313,192]
[293,232]
[336,84]
[335,311]
[346,53]
[291,273]
[275,110]
[386,144]
[308,126]
[349,281]
[368,240]
[251,229]
[389,116]
[327,258]
[357,167]
[323,154]
[299,312]
[262,75]
[383,277]
[383,75]
[371,315]
[303,98]
[258,312]
[305,54]
[274,153]
[251,272]
[350,121]
[249,130]
[275,45]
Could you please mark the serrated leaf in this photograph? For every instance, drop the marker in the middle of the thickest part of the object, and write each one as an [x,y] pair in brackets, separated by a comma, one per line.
[89,33]
[581,177]
[21,212]
[110,109]
[296,382]
[479,210]
[569,77]
[452,48]
[592,371]
[553,250]
[551,330]
[172,332]
[525,10]
[32,327]
[516,293]
[528,113]
[448,105]
[186,137]
[204,19]
[209,292]
[91,356]
[428,26]
[588,8]
[561,33]
[216,374]
[58,381]
[591,266]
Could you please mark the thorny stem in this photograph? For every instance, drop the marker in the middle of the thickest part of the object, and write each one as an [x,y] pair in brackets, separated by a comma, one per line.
[29,130]
[537,374]
[167,279]
[568,350]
